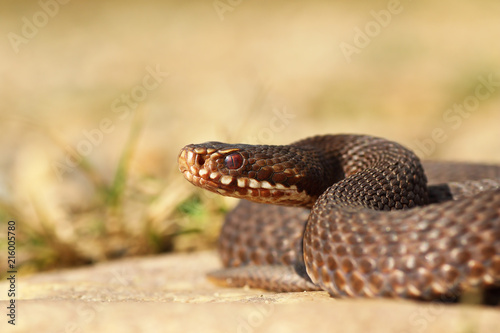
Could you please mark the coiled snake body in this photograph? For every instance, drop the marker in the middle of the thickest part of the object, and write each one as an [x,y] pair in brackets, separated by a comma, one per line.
[365,222]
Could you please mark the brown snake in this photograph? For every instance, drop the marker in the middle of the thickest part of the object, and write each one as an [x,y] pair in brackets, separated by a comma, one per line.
[365,222]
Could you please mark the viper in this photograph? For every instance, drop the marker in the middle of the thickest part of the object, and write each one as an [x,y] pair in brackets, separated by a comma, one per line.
[355,215]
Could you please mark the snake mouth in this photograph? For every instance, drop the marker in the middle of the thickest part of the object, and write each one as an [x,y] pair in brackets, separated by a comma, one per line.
[197,163]
[201,167]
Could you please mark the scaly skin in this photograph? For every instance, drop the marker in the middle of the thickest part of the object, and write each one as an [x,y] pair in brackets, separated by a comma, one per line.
[375,229]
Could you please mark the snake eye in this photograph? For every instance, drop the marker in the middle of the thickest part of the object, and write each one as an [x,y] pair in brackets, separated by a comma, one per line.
[233,161]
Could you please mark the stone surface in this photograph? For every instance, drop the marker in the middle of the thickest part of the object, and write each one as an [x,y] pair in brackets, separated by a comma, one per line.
[169,293]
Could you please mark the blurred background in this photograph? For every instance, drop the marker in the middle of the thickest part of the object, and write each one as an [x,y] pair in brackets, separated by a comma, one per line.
[98,98]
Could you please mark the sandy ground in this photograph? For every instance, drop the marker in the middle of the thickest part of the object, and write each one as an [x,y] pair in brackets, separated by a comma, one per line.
[170,293]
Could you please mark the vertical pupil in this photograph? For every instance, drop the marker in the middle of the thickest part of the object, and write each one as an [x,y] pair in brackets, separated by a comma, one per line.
[233,161]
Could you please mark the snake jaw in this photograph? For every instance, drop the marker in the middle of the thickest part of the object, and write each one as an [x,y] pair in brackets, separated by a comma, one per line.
[226,170]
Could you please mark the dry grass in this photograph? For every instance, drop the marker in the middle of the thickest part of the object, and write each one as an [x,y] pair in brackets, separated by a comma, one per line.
[226,81]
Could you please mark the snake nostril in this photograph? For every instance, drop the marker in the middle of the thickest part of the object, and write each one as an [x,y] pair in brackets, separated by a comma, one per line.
[200,160]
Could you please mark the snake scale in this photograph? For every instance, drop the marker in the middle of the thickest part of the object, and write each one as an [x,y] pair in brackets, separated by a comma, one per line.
[354,215]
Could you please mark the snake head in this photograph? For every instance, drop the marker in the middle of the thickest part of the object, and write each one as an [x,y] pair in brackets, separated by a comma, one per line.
[267,174]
